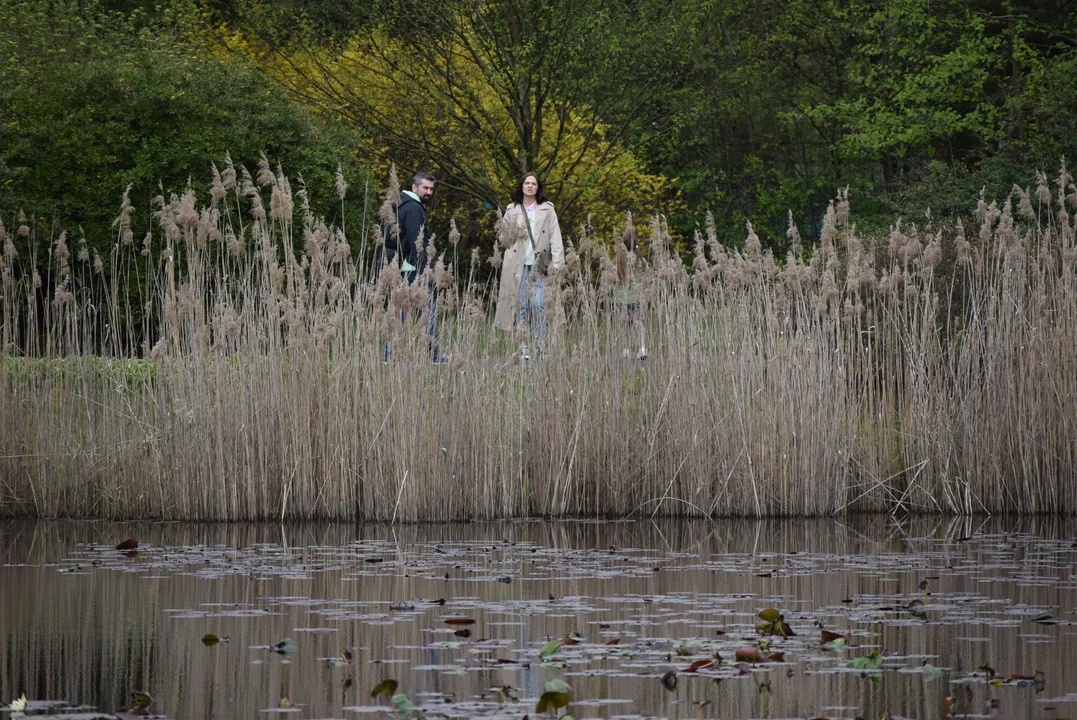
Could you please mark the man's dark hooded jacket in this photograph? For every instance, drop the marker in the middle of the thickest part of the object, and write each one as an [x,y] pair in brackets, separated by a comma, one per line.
[411,221]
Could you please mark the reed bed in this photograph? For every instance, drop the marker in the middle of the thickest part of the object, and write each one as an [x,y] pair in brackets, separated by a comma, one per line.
[932,370]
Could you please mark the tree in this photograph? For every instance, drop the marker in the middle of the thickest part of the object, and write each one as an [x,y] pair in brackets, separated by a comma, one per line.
[485,91]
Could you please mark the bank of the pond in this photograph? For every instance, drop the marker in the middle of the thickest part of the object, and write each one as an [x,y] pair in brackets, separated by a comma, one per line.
[220,438]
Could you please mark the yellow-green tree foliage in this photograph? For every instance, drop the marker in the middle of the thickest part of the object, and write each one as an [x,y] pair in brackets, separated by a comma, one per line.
[476,116]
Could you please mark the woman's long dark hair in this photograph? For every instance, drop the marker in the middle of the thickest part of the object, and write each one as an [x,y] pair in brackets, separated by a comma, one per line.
[518,191]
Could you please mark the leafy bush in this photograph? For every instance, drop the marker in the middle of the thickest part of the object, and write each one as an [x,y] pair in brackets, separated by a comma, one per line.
[92,101]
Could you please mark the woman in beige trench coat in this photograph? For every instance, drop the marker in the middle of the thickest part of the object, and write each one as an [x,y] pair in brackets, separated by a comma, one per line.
[528,259]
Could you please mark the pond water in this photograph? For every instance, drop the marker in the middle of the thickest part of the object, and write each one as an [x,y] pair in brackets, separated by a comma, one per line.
[973,617]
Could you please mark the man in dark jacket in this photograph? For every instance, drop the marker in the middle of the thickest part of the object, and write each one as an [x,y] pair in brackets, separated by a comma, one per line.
[412,233]
[411,238]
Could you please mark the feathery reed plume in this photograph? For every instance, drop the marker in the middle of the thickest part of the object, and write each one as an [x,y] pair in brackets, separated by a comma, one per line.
[792,232]
[454,233]
[387,211]
[342,187]
[236,384]
[265,175]
[217,190]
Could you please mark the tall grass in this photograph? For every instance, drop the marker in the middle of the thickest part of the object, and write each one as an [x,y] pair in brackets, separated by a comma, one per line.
[930,370]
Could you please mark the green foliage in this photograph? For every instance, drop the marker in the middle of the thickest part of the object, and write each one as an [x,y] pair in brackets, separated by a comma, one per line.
[751,108]
[920,73]
[481,93]
[92,101]
[910,103]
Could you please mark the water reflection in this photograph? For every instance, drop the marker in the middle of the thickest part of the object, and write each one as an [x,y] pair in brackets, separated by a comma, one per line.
[84,623]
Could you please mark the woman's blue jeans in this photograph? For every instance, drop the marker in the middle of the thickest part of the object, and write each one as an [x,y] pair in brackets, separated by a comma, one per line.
[532,301]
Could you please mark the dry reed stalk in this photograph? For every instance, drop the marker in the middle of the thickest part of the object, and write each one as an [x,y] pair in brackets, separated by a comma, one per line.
[874,377]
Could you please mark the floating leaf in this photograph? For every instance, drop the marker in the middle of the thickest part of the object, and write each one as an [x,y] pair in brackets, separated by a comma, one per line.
[459,621]
[551,701]
[614,641]
[699,665]
[773,624]
[917,609]
[750,654]
[385,687]
[142,698]
[669,681]
[550,649]
[505,693]
[209,639]
[402,705]
[557,685]
[868,662]
[286,646]
[770,615]
[128,544]
[832,637]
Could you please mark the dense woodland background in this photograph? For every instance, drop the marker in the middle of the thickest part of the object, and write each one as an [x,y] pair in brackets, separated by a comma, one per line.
[182,337]
[749,109]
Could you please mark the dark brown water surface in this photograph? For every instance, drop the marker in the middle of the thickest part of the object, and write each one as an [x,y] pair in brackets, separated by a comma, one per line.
[82,622]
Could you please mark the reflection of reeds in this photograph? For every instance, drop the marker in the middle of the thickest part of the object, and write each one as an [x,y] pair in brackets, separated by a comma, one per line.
[932,370]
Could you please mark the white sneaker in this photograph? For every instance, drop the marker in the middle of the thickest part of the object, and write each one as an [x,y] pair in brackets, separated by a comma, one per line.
[642,354]
[525,354]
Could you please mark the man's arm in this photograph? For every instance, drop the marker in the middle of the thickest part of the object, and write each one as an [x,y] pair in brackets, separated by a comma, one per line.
[412,227]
